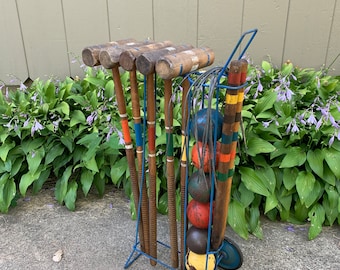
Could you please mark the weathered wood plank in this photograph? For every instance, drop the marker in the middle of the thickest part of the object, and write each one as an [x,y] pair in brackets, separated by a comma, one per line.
[130,19]
[308,28]
[334,42]
[219,26]
[44,38]
[88,26]
[270,18]
[176,21]
[12,53]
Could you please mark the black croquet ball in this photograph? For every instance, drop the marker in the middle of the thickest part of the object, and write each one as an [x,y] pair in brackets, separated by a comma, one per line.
[197,240]
[199,186]
[204,122]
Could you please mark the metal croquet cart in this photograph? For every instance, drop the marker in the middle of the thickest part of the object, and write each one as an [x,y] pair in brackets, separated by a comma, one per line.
[211,104]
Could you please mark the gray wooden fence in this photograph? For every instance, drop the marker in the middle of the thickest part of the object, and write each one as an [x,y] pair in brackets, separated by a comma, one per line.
[40,38]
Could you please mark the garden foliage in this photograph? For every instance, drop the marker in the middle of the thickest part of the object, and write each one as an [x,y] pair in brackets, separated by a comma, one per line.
[288,161]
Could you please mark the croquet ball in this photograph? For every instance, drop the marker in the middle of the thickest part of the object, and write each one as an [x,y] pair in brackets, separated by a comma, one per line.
[199,261]
[199,186]
[204,122]
[198,214]
[197,240]
[201,156]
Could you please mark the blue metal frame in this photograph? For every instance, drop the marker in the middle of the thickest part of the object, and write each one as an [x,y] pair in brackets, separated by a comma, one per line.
[137,252]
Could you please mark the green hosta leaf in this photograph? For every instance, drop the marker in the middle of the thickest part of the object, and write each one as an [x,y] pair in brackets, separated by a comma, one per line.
[96,82]
[330,204]
[271,203]
[295,156]
[314,195]
[61,185]
[289,177]
[253,182]
[4,149]
[71,196]
[332,158]
[63,108]
[32,144]
[268,177]
[27,179]
[247,196]
[267,67]
[254,222]
[99,183]
[118,170]
[7,194]
[237,219]
[109,89]
[257,145]
[301,211]
[265,103]
[34,159]
[328,176]
[315,160]
[304,185]
[54,152]
[86,180]
[287,69]
[79,100]
[163,204]
[317,218]
[68,142]
[77,117]
[37,185]
[16,166]
[91,164]
[49,91]
[280,149]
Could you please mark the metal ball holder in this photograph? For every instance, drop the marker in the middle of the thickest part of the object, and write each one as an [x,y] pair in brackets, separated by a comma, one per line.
[208,122]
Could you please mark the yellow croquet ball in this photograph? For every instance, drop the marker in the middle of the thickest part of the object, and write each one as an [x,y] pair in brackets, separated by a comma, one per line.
[199,261]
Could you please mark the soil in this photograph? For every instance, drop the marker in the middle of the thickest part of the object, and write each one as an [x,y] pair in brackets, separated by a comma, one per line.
[100,234]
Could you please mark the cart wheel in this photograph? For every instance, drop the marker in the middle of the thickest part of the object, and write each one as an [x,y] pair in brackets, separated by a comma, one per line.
[231,254]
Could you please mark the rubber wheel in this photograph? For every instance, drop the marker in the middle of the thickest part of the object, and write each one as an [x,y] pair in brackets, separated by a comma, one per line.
[232,257]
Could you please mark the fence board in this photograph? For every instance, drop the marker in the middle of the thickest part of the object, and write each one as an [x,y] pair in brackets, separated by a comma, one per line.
[175,21]
[334,44]
[219,26]
[308,32]
[12,52]
[88,26]
[44,36]
[130,19]
[271,24]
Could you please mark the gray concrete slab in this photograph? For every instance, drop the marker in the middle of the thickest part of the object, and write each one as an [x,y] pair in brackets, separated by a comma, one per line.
[100,235]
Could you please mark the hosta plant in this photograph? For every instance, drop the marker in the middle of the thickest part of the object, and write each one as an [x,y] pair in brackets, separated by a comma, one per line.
[289,159]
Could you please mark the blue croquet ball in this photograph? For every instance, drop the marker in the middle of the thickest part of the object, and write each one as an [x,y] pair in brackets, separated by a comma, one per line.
[203,126]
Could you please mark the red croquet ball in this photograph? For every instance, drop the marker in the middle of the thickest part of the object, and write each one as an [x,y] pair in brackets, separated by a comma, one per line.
[198,214]
[201,155]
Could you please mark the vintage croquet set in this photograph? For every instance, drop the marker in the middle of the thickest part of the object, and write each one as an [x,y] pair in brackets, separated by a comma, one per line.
[211,103]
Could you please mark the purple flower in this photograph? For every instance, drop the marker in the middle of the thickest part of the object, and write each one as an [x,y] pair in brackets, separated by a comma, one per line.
[91,118]
[36,127]
[331,140]
[108,136]
[311,119]
[22,87]
[266,123]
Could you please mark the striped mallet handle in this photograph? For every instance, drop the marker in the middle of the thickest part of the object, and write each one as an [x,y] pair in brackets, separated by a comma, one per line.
[183,170]
[140,155]
[170,172]
[227,154]
[128,146]
[151,123]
